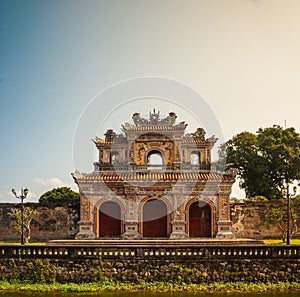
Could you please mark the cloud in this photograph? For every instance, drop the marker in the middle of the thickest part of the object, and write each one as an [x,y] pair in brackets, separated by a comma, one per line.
[32,195]
[53,182]
[10,197]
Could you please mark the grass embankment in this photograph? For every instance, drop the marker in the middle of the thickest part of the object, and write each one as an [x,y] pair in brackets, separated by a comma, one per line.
[106,286]
[280,242]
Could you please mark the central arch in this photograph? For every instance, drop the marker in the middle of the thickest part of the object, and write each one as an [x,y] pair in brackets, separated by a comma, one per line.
[155,218]
[200,219]
[109,219]
[195,158]
[155,159]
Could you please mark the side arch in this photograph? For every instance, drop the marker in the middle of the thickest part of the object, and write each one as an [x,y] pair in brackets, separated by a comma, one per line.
[114,158]
[200,218]
[195,158]
[109,218]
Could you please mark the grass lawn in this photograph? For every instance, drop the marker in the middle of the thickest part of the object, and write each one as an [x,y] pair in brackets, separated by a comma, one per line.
[279,241]
[18,243]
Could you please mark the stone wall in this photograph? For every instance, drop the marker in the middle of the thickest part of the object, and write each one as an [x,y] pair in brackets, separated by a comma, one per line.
[56,221]
[128,263]
[79,271]
[249,219]
[59,221]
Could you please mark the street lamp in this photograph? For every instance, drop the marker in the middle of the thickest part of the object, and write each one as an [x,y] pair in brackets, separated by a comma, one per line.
[288,196]
[21,197]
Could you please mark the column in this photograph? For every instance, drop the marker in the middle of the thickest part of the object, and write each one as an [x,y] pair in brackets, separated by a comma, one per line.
[178,223]
[131,219]
[86,226]
[224,223]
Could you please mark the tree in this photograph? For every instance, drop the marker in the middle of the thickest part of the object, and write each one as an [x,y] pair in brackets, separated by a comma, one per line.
[278,216]
[29,215]
[60,195]
[281,148]
[265,162]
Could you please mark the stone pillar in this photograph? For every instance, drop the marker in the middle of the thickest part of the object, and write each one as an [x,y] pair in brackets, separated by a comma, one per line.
[177,155]
[131,218]
[224,223]
[178,229]
[131,230]
[178,223]
[86,226]
[85,230]
[224,230]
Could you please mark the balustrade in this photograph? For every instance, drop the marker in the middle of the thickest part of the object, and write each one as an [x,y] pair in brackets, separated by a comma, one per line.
[149,168]
[159,252]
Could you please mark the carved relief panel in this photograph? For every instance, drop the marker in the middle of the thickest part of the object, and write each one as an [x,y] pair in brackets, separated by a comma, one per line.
[142,149]
[85,208]
[224,207]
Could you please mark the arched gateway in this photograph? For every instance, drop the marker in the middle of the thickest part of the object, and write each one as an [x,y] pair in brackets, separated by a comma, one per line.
[200,220]
[109,219]
[155,158]
[155,220]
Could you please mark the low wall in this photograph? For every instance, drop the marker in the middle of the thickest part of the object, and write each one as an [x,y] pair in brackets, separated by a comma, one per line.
[190,264]
[56,221]
[249,219]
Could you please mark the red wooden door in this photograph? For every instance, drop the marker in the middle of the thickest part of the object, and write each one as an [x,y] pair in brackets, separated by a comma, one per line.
[109,220]
[199,220]
[155,220]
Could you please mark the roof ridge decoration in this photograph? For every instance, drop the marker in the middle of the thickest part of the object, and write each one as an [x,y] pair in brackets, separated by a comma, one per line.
[154,120]
[199,136]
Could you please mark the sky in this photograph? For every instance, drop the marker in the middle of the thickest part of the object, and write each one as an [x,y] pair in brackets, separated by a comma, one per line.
[58,57]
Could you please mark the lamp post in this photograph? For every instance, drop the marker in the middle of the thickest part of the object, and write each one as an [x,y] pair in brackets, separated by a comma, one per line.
[21,197]
[288,196]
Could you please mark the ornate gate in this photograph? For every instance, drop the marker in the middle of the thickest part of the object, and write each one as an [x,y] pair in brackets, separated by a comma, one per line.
[200,220]
[109,220]
[155,219]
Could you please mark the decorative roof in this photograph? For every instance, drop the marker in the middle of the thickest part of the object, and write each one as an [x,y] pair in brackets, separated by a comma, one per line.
[151,176]
[155,125]
[180,126]
[154,122]
[154,119]
[197,140]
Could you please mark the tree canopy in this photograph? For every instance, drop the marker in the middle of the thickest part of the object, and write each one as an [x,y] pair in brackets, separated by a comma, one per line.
[265,162]
[59,195]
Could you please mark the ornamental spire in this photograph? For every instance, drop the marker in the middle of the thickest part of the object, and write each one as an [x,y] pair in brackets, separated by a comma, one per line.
[154,119]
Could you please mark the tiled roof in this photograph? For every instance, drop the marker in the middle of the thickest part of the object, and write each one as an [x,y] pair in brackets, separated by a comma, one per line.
[194,141]
[152,176]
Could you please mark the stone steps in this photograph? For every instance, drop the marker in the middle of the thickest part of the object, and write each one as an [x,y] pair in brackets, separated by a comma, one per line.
[159,242]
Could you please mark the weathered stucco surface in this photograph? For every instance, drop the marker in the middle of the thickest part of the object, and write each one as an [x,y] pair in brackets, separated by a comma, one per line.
[249,219]
[59,221]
